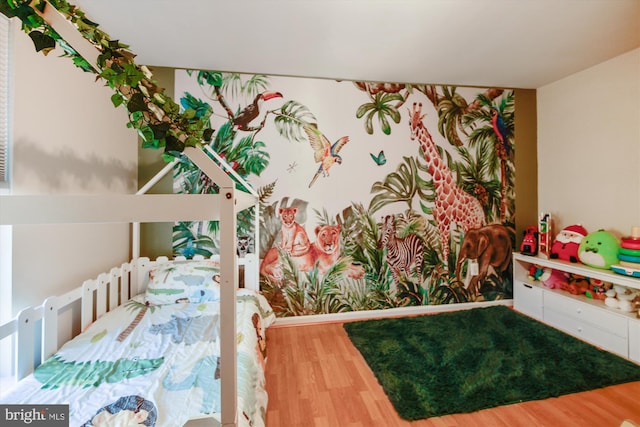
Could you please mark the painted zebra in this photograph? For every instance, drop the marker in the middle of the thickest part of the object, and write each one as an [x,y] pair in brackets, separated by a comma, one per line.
[401,252]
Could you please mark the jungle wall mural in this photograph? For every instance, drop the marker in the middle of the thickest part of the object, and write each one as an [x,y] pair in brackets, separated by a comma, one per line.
[373,195]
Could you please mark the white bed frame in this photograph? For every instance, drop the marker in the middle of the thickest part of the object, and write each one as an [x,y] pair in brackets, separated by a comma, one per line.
[110,289]
[93,298]
[141,208]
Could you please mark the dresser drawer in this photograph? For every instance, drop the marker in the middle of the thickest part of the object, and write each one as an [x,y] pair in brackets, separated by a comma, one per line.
[586,331]
[582,311]
[527,299]
[634,340]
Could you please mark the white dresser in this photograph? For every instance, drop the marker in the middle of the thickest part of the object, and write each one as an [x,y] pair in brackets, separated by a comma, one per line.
[588,319]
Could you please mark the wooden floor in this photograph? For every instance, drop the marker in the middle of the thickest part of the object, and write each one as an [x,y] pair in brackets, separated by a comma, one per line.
[317,378]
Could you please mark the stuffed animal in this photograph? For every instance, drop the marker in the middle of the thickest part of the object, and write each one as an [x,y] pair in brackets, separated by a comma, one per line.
[576,284]
[535,272]
[597,289]
[599,249]
[553,279]
[567,242]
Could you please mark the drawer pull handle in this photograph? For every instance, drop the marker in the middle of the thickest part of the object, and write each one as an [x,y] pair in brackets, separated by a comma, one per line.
[579,310]
[527,286]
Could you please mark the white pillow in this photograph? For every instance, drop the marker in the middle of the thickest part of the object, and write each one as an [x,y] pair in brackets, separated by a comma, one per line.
[183,281]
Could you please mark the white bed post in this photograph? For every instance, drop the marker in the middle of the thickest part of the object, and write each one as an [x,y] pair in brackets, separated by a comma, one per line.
[229,285]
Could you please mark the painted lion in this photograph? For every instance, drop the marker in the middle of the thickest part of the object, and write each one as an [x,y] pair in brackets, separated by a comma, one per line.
[323,253]
[326,251]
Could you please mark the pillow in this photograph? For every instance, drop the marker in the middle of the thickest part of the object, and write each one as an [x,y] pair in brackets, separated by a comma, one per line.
[183,281]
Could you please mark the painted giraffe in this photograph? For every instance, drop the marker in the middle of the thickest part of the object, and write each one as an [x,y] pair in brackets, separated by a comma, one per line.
[452,204]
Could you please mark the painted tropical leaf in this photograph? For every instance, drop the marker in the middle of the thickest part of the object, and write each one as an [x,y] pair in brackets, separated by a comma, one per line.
[223,140]
[266,191]
[250,156]
[399,186]
[256,84]
[189,238]
[200,107]
[381,107]
[211,78]
[231,84]
[291,119]
[451,109]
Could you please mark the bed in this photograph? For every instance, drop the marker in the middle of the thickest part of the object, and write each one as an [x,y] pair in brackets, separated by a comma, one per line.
[155,357]
[105,303]
[105,298]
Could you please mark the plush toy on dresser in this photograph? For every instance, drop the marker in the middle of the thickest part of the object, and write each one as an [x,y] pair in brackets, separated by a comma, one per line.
[599,249]
[567,242]
[554,279]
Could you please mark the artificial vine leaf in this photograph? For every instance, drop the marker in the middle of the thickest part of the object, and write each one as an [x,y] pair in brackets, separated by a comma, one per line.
[23,11]
[42,41]
[207,134]
[145,102]
[136,103]
[82,63]
[173,144]
[160,130]
[116,99]
[146,134]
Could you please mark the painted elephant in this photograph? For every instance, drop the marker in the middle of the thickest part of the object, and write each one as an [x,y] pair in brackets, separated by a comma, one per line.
[491,246]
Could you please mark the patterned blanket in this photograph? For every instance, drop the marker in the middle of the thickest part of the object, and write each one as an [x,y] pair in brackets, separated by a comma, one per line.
[154,366]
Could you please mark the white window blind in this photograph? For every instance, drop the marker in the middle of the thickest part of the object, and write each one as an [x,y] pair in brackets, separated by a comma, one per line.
[4,100]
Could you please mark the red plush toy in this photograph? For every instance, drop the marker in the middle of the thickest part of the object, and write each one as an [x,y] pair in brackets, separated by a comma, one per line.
[567,242]
[554,279]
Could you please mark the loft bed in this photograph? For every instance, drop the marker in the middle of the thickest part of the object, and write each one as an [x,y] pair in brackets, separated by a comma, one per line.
[107,297]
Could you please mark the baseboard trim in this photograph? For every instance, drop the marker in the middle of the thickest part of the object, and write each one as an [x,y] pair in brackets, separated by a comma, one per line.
[380,314]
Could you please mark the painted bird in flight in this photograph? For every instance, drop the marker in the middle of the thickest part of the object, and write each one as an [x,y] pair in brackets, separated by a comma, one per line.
[252,110]
[323,152]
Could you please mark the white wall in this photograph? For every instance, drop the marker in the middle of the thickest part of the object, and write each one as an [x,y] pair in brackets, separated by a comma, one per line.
[67,138]
[589,147]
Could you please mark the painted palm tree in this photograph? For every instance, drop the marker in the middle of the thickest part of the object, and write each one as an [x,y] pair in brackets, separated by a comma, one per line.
[451,108]
[495,123]
[477,177]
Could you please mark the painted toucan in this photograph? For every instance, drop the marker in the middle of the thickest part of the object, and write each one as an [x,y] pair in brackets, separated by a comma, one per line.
[252,110]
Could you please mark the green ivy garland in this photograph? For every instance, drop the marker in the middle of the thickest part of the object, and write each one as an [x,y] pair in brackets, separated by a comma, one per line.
[154,114]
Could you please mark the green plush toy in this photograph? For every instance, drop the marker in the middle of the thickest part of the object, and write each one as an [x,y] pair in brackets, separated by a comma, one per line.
[599,249]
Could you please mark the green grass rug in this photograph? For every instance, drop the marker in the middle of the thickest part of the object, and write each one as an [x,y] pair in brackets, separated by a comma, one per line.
[469,360]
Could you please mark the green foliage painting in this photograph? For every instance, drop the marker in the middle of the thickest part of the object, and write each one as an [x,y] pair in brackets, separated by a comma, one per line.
[368,190]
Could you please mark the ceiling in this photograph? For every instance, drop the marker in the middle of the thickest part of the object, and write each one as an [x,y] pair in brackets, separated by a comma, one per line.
[501,43]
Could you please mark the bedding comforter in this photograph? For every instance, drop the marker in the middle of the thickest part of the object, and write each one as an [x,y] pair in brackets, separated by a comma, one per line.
[154,366]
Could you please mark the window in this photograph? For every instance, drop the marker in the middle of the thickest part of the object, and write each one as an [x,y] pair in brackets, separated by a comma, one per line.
[4,100]
[5,230]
